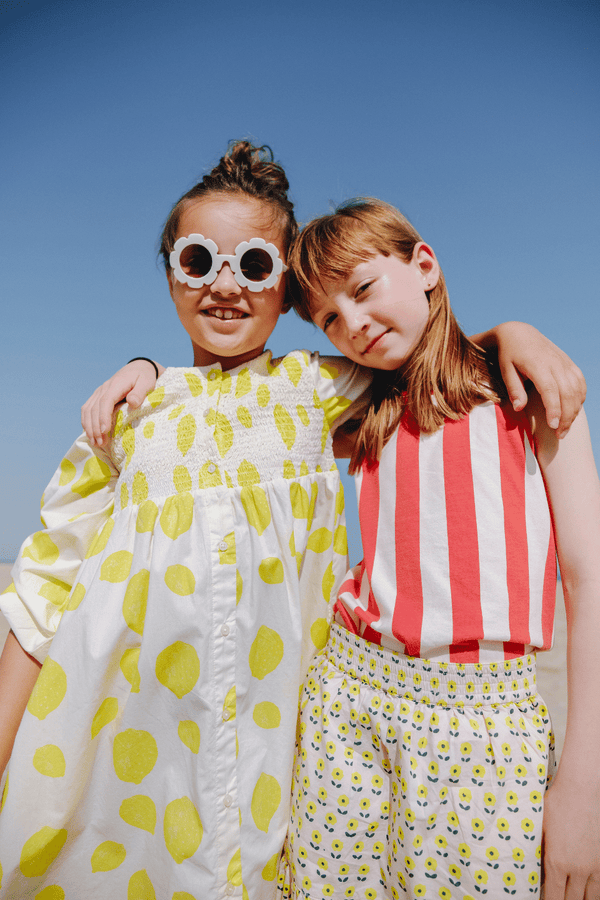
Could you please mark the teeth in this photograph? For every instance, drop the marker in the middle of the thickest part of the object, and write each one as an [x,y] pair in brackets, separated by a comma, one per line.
[224,314]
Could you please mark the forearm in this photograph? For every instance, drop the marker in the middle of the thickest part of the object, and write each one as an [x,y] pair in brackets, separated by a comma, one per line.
[18,675]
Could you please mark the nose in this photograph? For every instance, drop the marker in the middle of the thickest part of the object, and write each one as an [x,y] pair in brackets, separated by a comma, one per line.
[356,323]
[225,284]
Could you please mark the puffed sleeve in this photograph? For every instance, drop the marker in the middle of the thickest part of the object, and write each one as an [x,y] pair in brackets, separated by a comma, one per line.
[75,506]
[342,387]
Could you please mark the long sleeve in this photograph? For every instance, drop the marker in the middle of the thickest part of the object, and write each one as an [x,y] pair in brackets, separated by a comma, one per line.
[76,507]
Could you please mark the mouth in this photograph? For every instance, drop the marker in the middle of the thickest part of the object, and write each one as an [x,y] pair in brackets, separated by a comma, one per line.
[218,312]
[371,346]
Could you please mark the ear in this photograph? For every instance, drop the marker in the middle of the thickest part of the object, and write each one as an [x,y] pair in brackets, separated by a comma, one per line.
[426,261]
[171,280]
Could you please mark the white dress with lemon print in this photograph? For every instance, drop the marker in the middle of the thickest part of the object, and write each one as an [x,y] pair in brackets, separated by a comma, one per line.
[191,568]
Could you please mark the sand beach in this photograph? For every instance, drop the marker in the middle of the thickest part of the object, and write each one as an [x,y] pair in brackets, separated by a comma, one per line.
[552,679]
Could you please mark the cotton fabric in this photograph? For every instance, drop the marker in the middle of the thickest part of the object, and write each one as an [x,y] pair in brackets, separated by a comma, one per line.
[418,779]
[177,593]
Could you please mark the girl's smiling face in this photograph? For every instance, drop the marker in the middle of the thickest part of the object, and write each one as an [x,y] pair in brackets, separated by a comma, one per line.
[228,220]
[377,314]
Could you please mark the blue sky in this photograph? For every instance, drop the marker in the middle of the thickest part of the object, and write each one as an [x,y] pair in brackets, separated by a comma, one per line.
[479,119]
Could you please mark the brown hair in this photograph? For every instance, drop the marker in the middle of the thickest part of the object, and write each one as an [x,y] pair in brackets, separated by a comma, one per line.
[445,376]
[244,169]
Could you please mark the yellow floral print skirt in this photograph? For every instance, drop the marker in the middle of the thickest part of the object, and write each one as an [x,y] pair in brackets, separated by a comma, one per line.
[417,778]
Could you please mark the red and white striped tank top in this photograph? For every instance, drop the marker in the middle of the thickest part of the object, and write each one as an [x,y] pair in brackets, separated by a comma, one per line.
[460,562]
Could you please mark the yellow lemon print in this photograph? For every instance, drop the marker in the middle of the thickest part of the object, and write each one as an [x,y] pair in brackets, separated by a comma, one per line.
[303,415]
[156,397]
[182,895]
[96,474]
[266,715]
[328,371]
[107,711]
[129,667]
[304,467]
[229,704]
[266,652]
[266,798]
[116,567]
[319,631]
[244,416]
[285,425]
[209,475]
[270,870]
[271,570]
[4,796]
[180,580]
[140,887]
[319,540]
[247,473]
[107,856]
[263,395]
[186,433]
[40,851]
[189,734]
[293,368]
[313,502]
[176,411]
[139,488]
[256,506]
[289,470]
[50,761]
[140,812]
[67,472]
[146,516]
[101,539]
[55,591]
[243,384]
[223,433]
[49,690]
[296,555]
[328,583]
[134,755]
[182,479]
[42,549]
[135,600]
[124,495]
[299,500]
[234,868]
[149,430]
[239,586]
[176,517]
[340,540]
[178,668]
[339,501]
[194,384]
[182,828]
[52,892]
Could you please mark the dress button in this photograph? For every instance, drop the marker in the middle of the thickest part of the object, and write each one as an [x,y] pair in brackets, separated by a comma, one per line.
[212,375]
[226,714]
[206,413]
[223,545]
[229,889]
[212,468]
[227,800]
[225,630]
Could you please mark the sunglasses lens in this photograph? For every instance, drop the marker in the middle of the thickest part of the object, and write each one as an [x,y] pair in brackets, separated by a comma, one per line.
[195,260]
[256,264]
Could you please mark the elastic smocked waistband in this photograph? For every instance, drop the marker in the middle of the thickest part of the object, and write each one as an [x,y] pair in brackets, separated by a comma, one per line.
[435,683]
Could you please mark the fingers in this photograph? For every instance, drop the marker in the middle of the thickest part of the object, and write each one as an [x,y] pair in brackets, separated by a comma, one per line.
[133,382]
[514,385]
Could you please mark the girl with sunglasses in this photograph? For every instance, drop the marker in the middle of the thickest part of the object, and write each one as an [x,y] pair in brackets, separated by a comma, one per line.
[425,764]
[190,563]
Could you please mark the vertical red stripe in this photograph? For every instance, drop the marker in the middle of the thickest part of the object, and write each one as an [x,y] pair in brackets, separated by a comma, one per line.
[463,544]
[512,480]
[549,594]
[368,513]
[407,620]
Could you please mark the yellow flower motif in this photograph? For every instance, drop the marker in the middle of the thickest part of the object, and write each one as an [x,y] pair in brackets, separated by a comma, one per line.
[422,743]
[511,798]
[418,716]
[356,778]
[520,771]
[502,825]
[489,799]
[441,841]
[465,748]
[417,841]
[433,768]
[420,890]
[492,853]
[322,863]
[443,746]
[465,795]
[376,781]
[527,825]
[430,864]
[534,878]
[481,876]
[452,818]
[477,825]
[454,871]
[535,797]
[363,870]
[509,879]
[455,771]
[518,855]
[422,790]
[464,851]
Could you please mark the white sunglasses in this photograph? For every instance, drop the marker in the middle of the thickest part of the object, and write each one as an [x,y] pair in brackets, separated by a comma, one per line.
[196,261]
